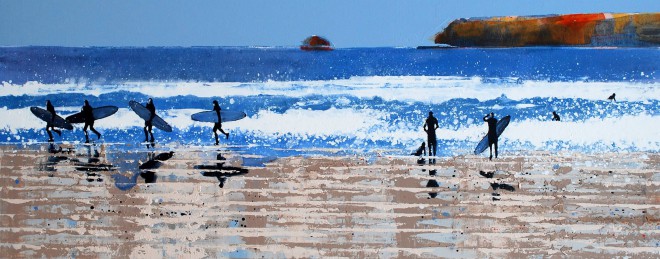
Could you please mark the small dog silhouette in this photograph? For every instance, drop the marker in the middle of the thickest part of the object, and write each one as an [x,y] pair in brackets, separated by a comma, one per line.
[421,150]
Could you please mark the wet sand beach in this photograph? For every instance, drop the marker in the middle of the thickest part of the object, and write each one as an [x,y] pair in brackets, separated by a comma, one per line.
[209,203]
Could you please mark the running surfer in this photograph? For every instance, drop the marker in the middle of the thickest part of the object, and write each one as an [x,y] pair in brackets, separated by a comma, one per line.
[430,125]
[148,126]
[88,113]
[492,133]
[49,124]
[218,125]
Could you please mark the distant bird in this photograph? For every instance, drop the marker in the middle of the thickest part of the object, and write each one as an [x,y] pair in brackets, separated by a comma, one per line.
[555,116]
[164,156]
[612,97]
[421,150]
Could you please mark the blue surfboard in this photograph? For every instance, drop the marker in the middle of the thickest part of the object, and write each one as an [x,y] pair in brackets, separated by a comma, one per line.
[211,116]
[99,113]
[142,111]
[46,116]
[501,125]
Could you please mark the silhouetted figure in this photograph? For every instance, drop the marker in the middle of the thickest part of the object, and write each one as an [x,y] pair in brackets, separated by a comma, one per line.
[612,97]
[218,125]
[430,125]
[88,113]
[49,124]
[147,123]
[555,116]
[492,133]
[421,150]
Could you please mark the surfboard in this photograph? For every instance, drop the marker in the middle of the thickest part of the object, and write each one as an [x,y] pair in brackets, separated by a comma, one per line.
[501,125]
[99,113]
[46,116]
[144,113]
[211,116]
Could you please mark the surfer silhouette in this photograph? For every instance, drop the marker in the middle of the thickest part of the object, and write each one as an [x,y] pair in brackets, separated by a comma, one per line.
[555,116]
[148,126]
[218,125]
[430,125]
[492,133]
[612,97]
[49,124]
[88,113]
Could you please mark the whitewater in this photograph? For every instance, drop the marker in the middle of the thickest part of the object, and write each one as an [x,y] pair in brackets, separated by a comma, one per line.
[371,104]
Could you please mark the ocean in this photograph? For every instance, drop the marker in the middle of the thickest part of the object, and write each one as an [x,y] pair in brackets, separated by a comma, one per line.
[346,101]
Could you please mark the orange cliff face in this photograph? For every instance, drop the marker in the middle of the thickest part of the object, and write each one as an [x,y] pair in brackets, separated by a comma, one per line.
[600,29]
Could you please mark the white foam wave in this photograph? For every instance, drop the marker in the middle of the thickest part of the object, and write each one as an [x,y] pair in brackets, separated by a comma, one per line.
[427,89]
[18,119]
[639,131]
[629,131]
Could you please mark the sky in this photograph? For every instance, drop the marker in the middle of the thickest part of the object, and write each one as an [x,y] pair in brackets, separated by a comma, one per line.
[346,23]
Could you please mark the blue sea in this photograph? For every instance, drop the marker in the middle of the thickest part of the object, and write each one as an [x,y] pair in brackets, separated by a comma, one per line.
[346,101]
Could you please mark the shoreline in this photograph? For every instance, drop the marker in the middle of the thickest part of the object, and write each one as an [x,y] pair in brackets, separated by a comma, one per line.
[540,203]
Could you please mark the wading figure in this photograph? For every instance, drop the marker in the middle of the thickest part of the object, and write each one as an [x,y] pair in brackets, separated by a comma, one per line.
[88,113]
[612,97]
[49,124]
[492,133]
[555,116]
[430,125]
[218,125]
[147,123]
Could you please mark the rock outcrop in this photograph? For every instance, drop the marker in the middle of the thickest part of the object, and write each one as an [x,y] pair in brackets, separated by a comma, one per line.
[599,29]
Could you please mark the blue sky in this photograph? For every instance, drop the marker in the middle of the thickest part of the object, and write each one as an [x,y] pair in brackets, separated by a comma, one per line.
[347,23]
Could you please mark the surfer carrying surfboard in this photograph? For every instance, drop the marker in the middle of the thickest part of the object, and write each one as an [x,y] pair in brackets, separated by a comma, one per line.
[217,116]
[50,124]
[88,114]
[430,125]
[218,125]
[492,133]
[148,125]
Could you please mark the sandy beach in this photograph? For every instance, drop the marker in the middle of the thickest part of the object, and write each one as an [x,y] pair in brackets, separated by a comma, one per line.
[208,203]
